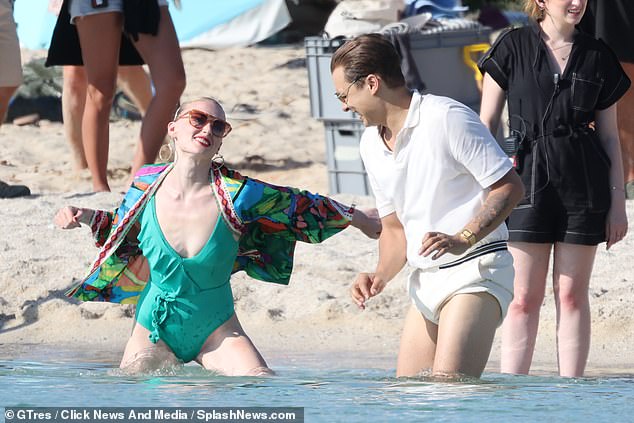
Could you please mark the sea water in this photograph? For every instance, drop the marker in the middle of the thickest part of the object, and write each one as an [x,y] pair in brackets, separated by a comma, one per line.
[326,391]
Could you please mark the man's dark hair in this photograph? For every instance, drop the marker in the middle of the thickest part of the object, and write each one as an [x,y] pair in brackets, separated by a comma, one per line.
[369,54]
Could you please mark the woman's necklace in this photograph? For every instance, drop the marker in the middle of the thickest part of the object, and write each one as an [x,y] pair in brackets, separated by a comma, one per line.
[563,57]
[562,37]
[550,41]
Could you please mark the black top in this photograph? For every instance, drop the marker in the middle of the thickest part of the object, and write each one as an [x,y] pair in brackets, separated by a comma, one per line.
[560,157]
[613,22]
[592,80]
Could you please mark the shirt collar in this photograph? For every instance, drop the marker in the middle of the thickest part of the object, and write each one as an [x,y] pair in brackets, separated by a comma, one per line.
[534,26]
[413,115]
[411,121]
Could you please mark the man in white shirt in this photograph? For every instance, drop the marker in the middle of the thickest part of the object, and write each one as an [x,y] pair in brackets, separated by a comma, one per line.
[443,188]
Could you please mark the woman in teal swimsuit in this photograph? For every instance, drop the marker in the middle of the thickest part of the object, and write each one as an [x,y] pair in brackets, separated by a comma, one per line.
[180,233]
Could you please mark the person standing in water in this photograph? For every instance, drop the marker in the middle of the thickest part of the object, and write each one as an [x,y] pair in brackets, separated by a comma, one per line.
[182,229]
[443,188]
[562,87]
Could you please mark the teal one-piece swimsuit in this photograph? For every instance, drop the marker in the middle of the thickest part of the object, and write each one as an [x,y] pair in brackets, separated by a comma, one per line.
[186,299]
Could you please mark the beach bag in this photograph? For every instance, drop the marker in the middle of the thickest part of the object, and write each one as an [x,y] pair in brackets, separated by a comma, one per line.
[40,94]
[355,17]
[124,108]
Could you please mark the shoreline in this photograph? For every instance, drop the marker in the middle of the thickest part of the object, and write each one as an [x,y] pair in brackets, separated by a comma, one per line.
[324,360]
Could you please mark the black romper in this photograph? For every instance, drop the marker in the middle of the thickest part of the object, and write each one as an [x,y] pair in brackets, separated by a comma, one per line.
[561,160]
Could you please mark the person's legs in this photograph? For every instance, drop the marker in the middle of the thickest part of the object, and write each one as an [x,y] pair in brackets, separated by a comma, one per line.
[519,329]
[6,190]
[10,79]
[418,345]
[141,355]
[10,64]
[73,101]
[572,268]
[625,109]
[465,334]
[100,37]
[5,96]
[228,350]
[163,57]
[136,83]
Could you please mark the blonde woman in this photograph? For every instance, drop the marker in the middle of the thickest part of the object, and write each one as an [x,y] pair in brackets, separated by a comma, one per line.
[182,230]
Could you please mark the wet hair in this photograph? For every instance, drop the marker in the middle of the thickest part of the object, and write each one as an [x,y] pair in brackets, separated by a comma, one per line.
[369,54]
[532,10]
[185,106]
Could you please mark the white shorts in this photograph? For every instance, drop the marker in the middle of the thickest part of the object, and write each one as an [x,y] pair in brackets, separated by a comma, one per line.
[493,273]
[10,61]
[80,8]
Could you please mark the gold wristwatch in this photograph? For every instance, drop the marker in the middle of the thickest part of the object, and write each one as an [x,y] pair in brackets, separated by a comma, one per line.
[469,236]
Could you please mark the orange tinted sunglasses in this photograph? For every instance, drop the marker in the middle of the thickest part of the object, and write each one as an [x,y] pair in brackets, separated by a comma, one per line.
[198,120]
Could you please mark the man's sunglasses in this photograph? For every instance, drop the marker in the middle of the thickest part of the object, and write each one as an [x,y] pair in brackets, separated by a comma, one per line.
[343,97]
[198,120]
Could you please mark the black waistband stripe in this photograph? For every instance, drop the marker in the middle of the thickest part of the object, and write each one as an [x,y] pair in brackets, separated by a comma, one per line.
[479,251]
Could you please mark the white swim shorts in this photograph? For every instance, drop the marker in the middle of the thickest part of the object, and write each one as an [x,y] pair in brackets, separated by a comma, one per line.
[488,268]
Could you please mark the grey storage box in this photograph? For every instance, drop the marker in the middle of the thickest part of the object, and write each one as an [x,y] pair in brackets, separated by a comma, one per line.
[439,57]
[323,103]
[346,173]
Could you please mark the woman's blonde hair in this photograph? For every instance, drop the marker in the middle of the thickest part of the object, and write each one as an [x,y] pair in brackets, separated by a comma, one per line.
[184,106]
[533,10]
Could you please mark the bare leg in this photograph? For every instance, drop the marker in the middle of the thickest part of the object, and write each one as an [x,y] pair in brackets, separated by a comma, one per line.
[141,355]
[99,36]
[73,101]
[625,109]
[137,85]
[519,330]
[465,334]
[6,190]
[418,345]
[163,57]
[5,97]
[571,279]
[228,350]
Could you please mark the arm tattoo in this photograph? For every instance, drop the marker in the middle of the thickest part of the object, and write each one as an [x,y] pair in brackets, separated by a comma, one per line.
[493,211]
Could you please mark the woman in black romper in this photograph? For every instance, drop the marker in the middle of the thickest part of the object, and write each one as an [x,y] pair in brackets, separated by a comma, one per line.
[561,86]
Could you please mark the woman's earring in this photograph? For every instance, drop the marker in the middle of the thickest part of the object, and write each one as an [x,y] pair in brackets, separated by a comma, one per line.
[166,153]
[217,162]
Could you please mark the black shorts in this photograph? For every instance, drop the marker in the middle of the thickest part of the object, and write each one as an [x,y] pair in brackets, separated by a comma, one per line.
[568,196]
[66,50]
[549,221]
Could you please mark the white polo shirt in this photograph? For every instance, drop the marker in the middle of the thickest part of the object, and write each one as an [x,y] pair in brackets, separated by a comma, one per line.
[436,178]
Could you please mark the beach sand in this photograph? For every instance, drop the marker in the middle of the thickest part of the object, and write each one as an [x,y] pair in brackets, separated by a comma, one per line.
[277,140]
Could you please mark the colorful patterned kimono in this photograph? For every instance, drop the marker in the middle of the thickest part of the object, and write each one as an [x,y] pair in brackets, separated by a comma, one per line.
[267,219]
